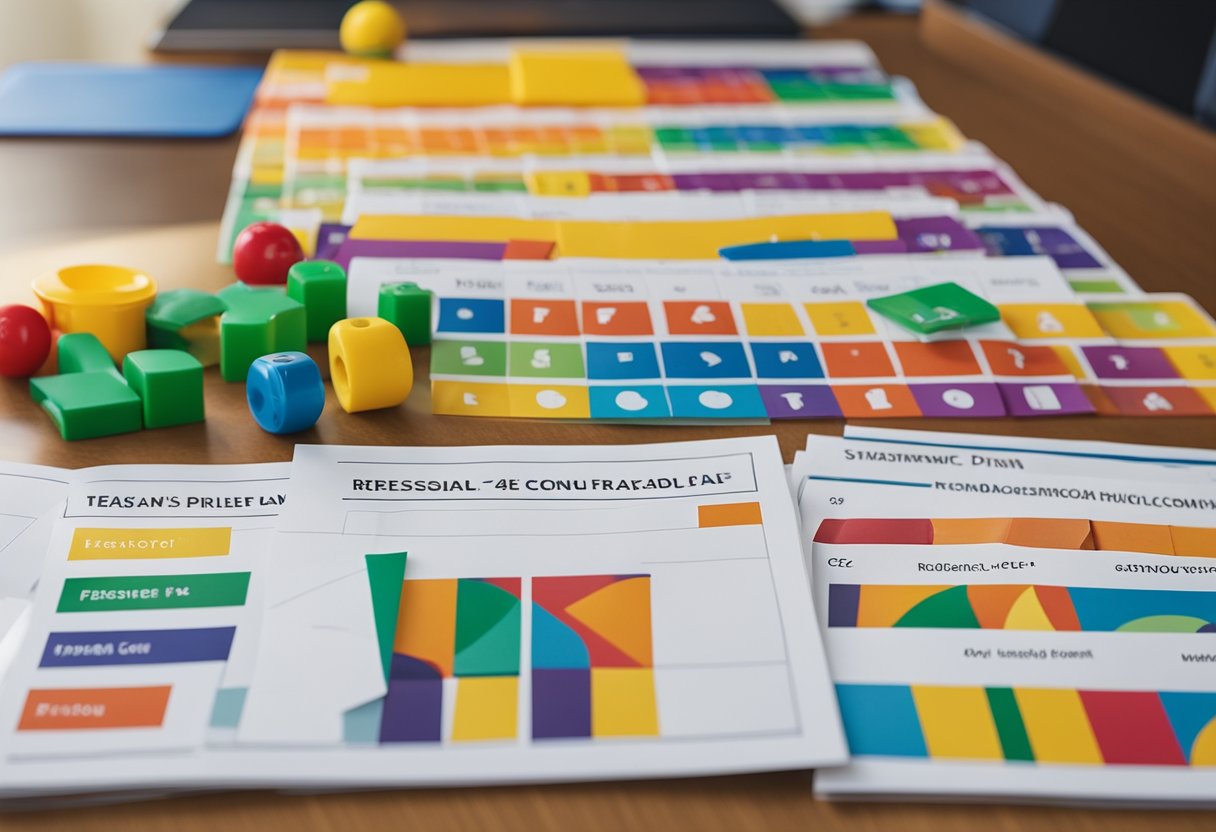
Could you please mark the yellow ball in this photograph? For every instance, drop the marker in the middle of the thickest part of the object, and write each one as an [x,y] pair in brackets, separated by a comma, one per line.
[371,29]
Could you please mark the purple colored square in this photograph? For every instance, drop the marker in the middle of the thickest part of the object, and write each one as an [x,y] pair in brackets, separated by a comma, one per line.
[927,234]
[964,399]
[330,237]
[1129,362]
[413,711]
[561,703]
[800,401]
[1030,399]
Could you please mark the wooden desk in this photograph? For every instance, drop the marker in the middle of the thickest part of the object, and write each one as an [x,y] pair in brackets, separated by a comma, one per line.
[1155,212]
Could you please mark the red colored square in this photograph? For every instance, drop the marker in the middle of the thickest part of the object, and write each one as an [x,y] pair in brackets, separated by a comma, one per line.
[1132,728]
[1009,358]
[543,317]
[634,183]
[940,358]
[624,318]
[858,359]
[699,317]
[1157,401]
[877,401]
[528,250]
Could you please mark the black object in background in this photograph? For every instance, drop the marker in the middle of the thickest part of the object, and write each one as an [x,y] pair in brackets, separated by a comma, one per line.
[260,25]
[1163,49]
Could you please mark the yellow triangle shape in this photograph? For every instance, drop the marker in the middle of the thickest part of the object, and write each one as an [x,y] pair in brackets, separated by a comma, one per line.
[620,614]
[1027,613]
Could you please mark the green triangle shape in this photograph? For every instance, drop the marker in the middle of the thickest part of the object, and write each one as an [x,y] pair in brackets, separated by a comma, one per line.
[385,574]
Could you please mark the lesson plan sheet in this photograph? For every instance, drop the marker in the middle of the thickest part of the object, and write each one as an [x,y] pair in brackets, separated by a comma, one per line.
[1005,622]
[505,614]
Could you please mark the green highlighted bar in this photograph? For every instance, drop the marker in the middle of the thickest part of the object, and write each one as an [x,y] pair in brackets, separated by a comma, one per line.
[1015,744]
[154,592]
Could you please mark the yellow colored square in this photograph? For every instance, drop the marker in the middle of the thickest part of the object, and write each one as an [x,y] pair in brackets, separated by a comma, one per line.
[623,702]
[590,77]
[771,319]
[1057,726]
[841,318]
[463,398]
[939,134]
[559,183]
[549,401]
[486,708]
[1208,394]
[957,722]
[1050,320]
[1069,357]
[1156,319]
[1194,362]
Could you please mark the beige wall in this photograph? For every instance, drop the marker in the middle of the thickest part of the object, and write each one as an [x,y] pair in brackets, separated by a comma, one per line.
[113,31]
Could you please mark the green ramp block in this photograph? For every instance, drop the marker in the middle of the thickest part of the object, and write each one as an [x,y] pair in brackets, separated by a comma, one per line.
[84,405]
[321,286]
[930,309]
[81,352]
[407,307]
[257,322]
[170,385]
[189,320]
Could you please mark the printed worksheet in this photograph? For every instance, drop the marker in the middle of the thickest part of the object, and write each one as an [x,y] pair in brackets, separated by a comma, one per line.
[1013,623]
[503,614]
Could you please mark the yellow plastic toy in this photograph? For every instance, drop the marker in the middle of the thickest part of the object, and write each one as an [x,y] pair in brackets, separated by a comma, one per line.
[371,29]
[369,364]
[108,301]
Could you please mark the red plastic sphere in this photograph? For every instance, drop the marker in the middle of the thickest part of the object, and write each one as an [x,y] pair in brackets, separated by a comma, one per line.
[263,253]
[25,341]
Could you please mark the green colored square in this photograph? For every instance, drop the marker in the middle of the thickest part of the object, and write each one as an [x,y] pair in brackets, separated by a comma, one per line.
[87,405]
[543,359]
[1097,287]
[930,309]
[496,185]
[170,385]
[887,138]
[408,307]
[858,92]
[1147,317]
[798,90]
[321,286]
[469,358]
[675,138]
[81,352]
[257,322]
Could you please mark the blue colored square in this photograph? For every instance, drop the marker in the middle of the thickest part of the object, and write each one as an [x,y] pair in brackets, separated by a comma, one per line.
[621,360]
[808,134]
[471,315]
[793,359]
[705,359]
[881,720]
[727,401]
[645,401]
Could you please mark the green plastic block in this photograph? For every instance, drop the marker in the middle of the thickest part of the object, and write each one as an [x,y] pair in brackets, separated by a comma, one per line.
[935,308]
[257,322]
[321,286]
[170,385]
[84,405]
[186,319]
[81,352]
[408,307]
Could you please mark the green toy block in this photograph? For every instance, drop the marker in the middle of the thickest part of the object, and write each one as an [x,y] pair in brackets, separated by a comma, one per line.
[931,309]
[170,385]
[81,352]
[84,405]
[321,286]
[257,322]
[408,307]
[186,319]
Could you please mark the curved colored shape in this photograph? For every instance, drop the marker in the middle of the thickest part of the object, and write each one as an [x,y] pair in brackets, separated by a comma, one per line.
[554,645]
[1192,714]
[426,623]
[1027,613]
[479,606]
[1108,609]
[1203,752]
[991,604]
[496,652]
[620,613]
[882,606]
[558,594]
[948,608]
[1165,624]
[1058,607]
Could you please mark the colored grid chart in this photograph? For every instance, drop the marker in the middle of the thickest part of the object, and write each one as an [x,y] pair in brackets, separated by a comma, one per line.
[1037,532]
[1030,725]
[1022,607]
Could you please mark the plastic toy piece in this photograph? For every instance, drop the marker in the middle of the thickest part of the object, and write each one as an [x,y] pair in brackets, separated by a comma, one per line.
[81,352]
[170,385]
[321,286]
[25,341]
[257,322]
[285,392]
[371,29]
[591,77]
[263,252]
[108,301]
[407,307]
[88,405]
[369,364]
[189,320]
[935,308]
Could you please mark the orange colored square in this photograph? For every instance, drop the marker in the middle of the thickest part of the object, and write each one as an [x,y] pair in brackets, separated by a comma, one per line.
[1157,401]
[79,709]
[699,317]
[528,250]
[1008,358]
[1193,541]
[543,317]
[624,318]
[860,359]
[878,401]
[729,514]
[1132,537]
[940,358]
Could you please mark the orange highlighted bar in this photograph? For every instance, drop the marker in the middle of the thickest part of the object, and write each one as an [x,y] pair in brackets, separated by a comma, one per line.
[75,709]
[729,514]
[1132,537]
[1194,543]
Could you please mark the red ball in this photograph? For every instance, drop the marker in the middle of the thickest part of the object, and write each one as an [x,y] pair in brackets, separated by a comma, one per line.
[263,253]
[25,341]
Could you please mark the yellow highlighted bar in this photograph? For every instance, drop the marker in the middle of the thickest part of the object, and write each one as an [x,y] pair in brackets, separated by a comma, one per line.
[584,78]
[957,723]
[1058,728]
[387,84]
[140,544]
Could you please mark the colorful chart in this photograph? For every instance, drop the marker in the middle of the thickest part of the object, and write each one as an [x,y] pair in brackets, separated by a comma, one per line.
[1037,532]
[1030,725]
[1022,607]
[592,658]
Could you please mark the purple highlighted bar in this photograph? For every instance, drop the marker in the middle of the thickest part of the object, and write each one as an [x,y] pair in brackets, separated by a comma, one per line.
[1044,399]
[208,644]
[443,249]
[799,401]
[926,234]
[964,399]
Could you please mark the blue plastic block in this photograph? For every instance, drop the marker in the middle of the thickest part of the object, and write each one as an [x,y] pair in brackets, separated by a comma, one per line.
[285,392]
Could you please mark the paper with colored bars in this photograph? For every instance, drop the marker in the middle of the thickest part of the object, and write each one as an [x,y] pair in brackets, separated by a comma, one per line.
[1015,619]
[565,614]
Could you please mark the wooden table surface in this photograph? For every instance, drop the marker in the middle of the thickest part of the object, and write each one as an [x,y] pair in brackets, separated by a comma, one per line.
[1154,212]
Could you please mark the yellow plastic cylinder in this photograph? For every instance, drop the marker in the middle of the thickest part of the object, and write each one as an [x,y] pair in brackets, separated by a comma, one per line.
[369,364]
[108,301]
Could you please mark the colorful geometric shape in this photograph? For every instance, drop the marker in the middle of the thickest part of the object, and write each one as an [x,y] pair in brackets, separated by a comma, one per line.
[881,720]
[957,722]
[486,708]
[1057,725]
[623,702]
